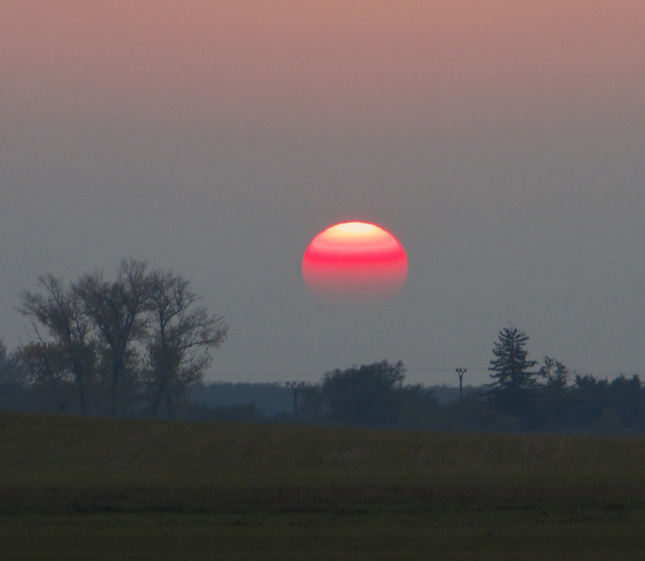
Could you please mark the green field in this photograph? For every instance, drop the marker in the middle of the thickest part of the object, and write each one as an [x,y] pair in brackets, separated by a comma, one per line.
[90,488]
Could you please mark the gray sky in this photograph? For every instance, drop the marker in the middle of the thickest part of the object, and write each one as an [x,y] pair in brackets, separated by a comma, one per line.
[502,143]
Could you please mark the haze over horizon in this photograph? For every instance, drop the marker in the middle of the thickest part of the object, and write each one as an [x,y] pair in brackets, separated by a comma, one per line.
[501,142]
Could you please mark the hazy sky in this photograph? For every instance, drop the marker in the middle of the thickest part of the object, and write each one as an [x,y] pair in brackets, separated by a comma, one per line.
[501,141]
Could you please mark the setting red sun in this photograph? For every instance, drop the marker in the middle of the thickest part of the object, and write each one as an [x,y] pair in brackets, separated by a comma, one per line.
[354,261]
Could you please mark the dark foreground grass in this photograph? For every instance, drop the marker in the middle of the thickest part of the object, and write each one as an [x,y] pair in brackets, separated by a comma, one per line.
[74,488]
[464,534]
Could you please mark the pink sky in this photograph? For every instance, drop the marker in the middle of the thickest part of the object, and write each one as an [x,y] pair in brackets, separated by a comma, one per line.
[502,142]
[365,61]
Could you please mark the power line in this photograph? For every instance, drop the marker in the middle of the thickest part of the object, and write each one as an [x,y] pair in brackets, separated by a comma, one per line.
[451,369]
[291,373]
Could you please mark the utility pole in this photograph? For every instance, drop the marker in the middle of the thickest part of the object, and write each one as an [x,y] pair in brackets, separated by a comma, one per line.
[460,372]
[295,386]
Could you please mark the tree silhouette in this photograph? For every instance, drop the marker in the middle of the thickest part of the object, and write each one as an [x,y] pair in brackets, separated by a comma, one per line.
[69,355]
[364,395]
[117,310]
[512,389]
[181,334]
[113,339]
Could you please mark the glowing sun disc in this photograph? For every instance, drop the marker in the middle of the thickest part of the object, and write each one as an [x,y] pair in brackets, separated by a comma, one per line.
[354,260]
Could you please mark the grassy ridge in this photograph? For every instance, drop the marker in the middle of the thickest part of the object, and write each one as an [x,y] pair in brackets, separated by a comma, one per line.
[51,461]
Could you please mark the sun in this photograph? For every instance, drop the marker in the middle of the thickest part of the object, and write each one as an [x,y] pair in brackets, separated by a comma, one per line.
[354,261]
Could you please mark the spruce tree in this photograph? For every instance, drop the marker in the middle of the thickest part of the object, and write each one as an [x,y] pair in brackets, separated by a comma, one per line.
[514,381]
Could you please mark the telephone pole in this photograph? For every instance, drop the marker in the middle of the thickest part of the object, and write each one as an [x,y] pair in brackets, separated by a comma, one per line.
[460,372]
[295,386]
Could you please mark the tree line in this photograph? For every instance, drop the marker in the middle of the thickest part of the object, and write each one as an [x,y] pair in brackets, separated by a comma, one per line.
[139,344]
[522,395]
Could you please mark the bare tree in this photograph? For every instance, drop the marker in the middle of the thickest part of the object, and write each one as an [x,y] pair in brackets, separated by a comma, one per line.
[182,333]
[117,310]
[70,348]
[108,337]
[49,373]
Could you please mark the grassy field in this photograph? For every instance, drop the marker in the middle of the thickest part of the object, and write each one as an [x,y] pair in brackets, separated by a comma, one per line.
[75,488]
